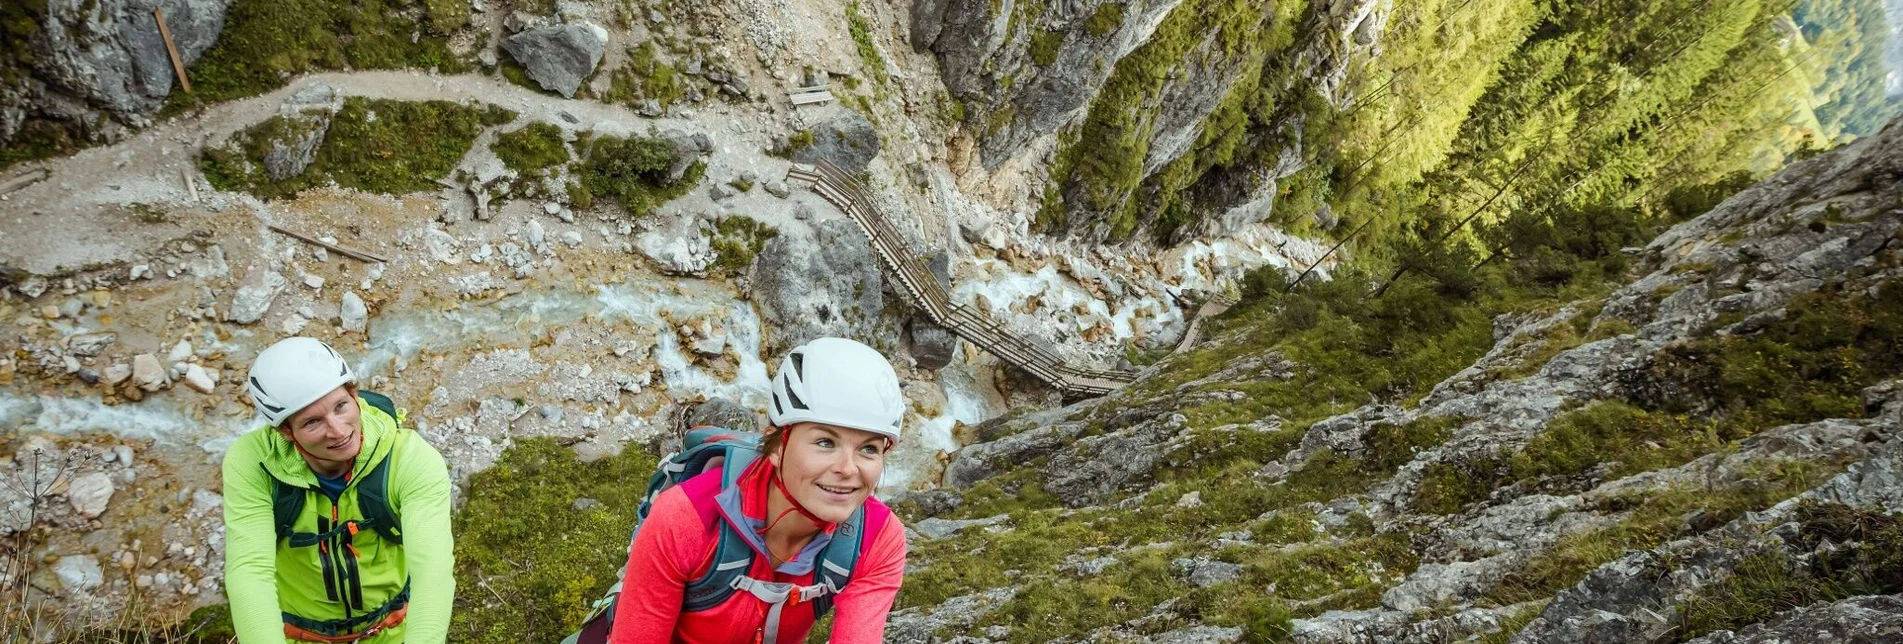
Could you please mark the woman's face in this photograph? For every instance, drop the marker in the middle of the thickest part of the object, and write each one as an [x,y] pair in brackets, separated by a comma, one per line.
[830,470]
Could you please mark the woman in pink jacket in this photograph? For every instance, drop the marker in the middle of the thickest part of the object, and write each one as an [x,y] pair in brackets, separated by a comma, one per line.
[836,411]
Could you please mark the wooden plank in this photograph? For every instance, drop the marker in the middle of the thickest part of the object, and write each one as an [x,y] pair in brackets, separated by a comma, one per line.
[178,66]
[347,252]
[22,180]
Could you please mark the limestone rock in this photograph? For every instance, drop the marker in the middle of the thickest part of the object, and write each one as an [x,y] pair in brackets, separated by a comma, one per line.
[723,413]
[678,246]
[199,380]
[180,352]
[78,573]
[89,494]
[118,373]
[88,345]
[254,298]
[354,313]
[291,143]
[558,57]
[147,373]
[101,66]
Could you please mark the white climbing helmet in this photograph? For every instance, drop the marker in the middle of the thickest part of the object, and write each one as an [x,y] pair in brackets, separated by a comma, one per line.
[838,382]
[292,374]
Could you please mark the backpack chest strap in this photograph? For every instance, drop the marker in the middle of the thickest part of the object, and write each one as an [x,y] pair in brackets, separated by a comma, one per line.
[776,595]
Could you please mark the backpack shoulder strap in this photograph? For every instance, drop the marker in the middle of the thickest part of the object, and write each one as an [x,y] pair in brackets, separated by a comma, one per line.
[373,500]
[379,401]
[841,557]
[373,492]
[732,556]
[287,501]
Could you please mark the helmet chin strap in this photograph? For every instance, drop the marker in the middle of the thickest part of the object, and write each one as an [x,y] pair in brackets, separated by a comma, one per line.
[779,481]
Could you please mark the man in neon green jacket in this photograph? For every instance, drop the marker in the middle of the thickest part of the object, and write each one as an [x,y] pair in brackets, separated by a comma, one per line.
[336,518]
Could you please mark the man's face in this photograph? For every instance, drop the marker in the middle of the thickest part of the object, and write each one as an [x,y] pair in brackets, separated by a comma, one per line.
[329,429]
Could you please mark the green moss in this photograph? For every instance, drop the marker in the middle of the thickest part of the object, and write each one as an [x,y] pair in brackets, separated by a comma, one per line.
[1108,18]
[392,147]
[862,39]
[736,240]
[795,142]
[634,172]
[1045,45]
[1866,558]
[645,76]
[263,44]
[517,75]
[533,149]
[532,562]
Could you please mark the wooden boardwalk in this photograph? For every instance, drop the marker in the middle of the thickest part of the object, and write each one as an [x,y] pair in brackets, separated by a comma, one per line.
[1216,305]
[974,325]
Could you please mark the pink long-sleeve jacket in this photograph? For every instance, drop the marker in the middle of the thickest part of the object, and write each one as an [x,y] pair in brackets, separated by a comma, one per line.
[676,545]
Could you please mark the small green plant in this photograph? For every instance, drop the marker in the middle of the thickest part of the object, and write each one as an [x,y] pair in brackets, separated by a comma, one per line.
[534,149]
[737,240]
[862,39]
[1865,558]
[263,44]
[646,77]
[634,171]
[1045,45]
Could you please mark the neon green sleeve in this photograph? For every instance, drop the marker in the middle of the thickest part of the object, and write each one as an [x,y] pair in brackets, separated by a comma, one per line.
[420,483]
[251,547]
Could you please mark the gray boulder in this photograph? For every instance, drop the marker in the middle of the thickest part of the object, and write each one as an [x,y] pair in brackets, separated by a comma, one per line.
[932,346]
[826,285]
[846,140]
[105,59]
[559,57]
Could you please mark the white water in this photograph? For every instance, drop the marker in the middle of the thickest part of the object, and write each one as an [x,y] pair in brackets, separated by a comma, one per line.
[157,419]
[397,338]
[966,401]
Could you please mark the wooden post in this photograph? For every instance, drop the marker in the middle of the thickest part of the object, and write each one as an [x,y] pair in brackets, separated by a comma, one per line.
[178,66]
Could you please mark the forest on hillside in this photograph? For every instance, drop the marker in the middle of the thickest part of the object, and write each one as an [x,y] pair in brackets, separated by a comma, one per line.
[1472,109]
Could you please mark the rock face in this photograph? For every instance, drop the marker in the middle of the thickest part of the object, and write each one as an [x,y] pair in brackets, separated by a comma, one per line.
[104,58]
[979,53]
[828,284]
[846,139]
[559,57]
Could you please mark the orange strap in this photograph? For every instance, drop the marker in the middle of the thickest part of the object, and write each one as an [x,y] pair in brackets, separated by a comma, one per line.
[392,620]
